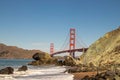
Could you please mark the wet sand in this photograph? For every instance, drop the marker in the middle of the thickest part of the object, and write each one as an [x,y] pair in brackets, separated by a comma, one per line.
[80,75]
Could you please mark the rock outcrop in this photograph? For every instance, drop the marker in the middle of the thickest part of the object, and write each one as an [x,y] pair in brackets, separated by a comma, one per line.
[23,68]
[69,61]
[42,59]
[105,51]
[7,70]
[108,75]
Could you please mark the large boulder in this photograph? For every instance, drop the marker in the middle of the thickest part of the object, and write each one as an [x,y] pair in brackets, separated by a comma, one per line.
[69,61]
[42,59]
[7,70]
[23,68]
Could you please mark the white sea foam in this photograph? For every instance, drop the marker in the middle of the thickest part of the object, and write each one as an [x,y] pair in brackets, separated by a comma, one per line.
[39,73]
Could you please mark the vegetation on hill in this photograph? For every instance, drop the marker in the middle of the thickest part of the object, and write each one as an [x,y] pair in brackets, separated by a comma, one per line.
[105,51]
[13,52]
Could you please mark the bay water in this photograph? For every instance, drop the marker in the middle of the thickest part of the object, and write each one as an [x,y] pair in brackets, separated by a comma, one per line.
[50,72]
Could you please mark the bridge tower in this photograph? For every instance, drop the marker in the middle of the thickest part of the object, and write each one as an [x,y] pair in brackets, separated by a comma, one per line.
[72,41]
[51,48]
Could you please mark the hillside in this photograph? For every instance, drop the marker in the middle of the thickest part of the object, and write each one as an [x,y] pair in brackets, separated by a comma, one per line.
[13,52]
[105,50]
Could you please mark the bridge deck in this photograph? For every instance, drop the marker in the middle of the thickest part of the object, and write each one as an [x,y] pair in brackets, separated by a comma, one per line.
[73,50]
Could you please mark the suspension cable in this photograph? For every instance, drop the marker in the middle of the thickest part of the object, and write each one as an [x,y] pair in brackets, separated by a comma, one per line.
[64,44]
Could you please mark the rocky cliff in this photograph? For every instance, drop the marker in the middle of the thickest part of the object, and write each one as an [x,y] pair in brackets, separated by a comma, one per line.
[105,50]
[13,52]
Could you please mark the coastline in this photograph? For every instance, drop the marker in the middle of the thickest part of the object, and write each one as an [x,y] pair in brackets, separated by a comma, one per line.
[43,72]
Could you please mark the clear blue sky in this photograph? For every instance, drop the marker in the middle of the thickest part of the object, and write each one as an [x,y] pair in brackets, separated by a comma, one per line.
[34,24]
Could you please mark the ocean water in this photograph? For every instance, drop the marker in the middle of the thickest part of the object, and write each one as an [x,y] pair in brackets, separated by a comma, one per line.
[13,62]
[34,72]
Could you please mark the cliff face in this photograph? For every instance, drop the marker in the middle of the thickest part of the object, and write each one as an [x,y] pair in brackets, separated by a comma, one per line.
[13,52]
[105,50]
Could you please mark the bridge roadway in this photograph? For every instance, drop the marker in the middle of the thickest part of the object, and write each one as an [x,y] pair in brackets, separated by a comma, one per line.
[70,51]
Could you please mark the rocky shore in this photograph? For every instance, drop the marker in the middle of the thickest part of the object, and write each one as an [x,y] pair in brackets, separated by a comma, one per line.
[100,62]
[95,75]
[106,75]
[10,70]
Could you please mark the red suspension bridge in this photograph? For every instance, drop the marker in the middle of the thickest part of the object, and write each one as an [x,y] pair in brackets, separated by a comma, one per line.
[72,45]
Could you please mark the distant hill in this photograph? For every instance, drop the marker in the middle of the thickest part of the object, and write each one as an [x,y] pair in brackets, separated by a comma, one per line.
[105,50]
[13,52]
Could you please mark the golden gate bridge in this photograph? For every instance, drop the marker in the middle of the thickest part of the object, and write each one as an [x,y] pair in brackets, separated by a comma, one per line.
[72,45]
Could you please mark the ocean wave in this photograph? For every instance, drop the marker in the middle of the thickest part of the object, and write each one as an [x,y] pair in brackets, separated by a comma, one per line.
[39,73]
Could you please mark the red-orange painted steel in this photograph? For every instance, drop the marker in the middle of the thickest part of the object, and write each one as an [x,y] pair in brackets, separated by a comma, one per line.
[73,50]
[51,48]
[72,45]
[72,41]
